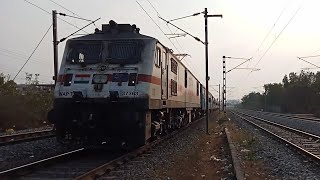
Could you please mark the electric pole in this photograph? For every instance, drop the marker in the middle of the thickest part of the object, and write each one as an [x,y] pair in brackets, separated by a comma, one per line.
[207,76]
[224,77]
[219,99]
[207,64]
[55,45]
[224,81]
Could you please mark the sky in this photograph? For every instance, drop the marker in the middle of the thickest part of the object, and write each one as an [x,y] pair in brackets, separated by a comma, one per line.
[291,25]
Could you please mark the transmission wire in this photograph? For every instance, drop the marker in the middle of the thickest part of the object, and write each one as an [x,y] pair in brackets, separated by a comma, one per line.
[32,52]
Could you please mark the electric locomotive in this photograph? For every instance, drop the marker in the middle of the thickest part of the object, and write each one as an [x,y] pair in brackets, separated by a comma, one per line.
[118,85]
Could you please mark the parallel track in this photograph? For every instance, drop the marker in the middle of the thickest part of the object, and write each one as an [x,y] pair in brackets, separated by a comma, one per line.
[27,136]
[290,116]
[306,143]
[82,163]
[27,168]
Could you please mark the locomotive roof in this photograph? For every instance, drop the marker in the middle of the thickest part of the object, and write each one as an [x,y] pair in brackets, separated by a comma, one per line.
[109,36]
[115,31]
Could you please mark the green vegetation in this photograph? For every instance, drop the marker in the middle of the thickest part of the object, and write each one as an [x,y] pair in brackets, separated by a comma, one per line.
[298,93]
[26,107]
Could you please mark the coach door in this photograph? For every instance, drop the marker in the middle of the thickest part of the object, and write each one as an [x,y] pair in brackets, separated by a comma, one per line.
[164,76]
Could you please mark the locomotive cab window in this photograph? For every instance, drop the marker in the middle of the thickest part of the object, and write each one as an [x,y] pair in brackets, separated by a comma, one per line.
[174,66]
[124,51]
[84,52]
[158,57]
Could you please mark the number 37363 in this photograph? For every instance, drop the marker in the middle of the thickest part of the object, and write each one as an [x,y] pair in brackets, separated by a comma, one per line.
[129,93]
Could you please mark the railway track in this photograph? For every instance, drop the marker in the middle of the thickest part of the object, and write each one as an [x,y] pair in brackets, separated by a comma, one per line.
[305,143]
[83,163]
[26,136]
[289,116]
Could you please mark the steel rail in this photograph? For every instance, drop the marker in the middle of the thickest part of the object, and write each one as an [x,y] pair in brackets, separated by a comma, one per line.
[301,146]
[26,136]
[23,169]
[289,116]
[105,169]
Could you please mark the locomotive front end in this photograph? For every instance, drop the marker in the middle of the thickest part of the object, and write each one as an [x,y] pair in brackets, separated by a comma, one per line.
[98,96]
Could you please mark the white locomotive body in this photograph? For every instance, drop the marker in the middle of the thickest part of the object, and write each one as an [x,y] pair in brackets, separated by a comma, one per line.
[121,85]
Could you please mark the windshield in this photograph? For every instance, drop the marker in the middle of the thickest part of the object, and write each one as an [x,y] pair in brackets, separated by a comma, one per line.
[116,52]
[124,52]
[84,52]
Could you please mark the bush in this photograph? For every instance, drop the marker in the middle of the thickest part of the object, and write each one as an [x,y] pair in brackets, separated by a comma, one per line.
[22,109]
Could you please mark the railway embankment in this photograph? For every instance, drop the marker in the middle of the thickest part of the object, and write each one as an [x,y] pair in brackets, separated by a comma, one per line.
[258,148]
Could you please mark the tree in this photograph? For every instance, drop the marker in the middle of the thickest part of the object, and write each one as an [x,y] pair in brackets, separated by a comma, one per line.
[274,96]
[298,93]
[252,101]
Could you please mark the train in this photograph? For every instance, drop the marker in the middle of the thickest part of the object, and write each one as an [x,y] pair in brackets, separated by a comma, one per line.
[117,85]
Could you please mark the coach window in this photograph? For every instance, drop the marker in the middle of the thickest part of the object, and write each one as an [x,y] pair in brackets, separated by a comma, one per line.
[174,87]
[158,57]
[186,78]
[197,88]
[163,63]
[174,66]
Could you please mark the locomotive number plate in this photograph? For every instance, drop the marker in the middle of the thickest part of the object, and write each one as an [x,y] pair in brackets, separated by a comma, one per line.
[129,93]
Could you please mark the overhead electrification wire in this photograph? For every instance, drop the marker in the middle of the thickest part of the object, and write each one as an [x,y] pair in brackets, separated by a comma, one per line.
[311,56]
[32,52]
[195,14]
[63,39]
[239,65]
[77,15]
[51,13]
[17,57]
[267,35]
[315,51]
[196,38]
[64,8]
[63,14]
[308,62]
[274,24]
[278,35]
[157,25]
[191,67]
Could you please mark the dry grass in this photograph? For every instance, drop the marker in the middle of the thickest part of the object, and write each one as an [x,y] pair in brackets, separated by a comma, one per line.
[200,163]
[245,145]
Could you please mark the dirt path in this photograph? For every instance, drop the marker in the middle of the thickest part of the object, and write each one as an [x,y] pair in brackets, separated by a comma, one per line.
[211,159]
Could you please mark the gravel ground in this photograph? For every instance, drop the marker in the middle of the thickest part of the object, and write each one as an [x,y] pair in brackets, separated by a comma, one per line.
[308,126]
[283,162]
[161,158]
[26,152]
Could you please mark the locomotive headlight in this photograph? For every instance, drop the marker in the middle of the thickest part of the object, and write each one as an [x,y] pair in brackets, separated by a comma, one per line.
[100,79]
[132,79]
